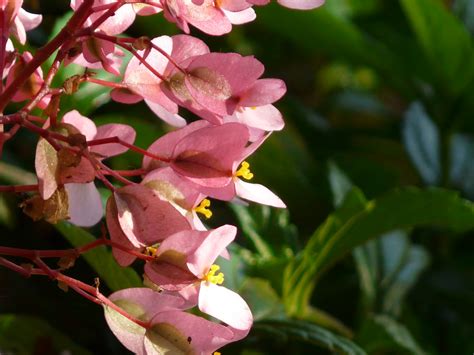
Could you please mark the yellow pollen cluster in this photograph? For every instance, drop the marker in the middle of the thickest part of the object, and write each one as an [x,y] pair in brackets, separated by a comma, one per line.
[212,277]
[150,251]
[203,208]
[244,171]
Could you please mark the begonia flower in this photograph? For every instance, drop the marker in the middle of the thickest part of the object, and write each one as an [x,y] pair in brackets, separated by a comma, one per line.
[209,157]
[85,204]
[18,21]
[185,264]
[138,218]
[168,330]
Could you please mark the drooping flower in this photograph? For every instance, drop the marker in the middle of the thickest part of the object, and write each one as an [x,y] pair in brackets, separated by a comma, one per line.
[185,264]
[168,329]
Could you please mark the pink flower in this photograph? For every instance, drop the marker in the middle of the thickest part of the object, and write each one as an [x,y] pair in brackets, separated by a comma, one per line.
[18,20]
[184,263]
[137,218]
[168,330]
[209,158]
[85,204]
[301,4]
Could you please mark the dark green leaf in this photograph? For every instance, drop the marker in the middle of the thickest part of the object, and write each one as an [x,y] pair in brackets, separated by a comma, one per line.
[300,331]
[445,41]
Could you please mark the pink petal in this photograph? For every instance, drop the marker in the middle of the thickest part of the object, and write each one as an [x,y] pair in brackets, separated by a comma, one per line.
[146,218]
[266,118]
[207,156]
[125,96]
[172,119]
[214,244]
[168,276]
[85,204]
[301,4]
[225,305]
[263,92]
[81,174]
[122,131]
[165,145]
[29,20]
[258,193]
[117,235]
[240,17]
[206,336]
[86,126]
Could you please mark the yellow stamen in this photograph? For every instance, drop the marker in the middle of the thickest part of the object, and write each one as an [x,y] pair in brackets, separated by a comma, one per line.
[216,353]
[203,208]
[212,277]
[151,251]
[244,171]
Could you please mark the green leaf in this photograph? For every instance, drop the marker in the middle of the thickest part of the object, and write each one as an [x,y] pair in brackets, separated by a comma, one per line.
[300,331]
[445,41]
[22,335]
[100,259]
[262,299]
[381,333]
[400,209]
[340,184]
[422,142]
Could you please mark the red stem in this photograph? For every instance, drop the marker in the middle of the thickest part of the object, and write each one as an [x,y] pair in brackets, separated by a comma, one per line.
[128,145]
[66,35]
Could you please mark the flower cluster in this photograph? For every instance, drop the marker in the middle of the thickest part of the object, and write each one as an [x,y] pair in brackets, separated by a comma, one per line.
[153,211]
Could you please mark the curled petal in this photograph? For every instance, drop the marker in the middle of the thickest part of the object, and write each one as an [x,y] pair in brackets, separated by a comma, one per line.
[257,193]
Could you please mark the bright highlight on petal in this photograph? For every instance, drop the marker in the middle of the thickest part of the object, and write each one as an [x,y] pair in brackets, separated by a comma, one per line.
[244,171]
[203,208]
[212,277]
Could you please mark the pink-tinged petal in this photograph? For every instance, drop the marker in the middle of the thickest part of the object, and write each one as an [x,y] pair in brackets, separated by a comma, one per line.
[173,188]
[207,18]
[168,276]
[251,148]
[225,305]
[240,72]
[258,193]
[172,119]
[301,4]
[117,236]
[18,30]
[81,174]
[46,165]
[209,249]
[85,125]
[139,78]
[146,10]
[195,221]
[29,20]
[85,204]
[240,17]
[123,132]
[125,96]
[263,92]
[184,47]
[225,193]
[150,301]
[205,336]
[266,118]
[120,21]
[165,145]
[207,156]
[177,248]
[234,5]
[142,303]
[146,218]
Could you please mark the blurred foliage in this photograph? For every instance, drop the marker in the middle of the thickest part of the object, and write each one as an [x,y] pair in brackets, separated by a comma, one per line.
[374,254]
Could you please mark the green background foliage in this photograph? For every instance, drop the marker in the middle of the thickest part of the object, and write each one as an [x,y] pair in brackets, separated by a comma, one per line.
[373,255]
